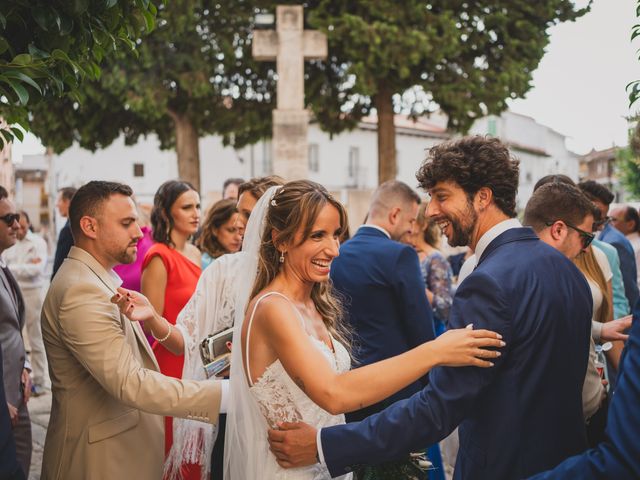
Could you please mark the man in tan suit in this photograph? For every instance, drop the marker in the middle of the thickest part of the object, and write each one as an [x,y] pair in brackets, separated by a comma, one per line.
[108,396]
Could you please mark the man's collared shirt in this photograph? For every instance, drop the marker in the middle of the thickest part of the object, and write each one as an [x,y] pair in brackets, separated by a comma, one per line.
[488,237]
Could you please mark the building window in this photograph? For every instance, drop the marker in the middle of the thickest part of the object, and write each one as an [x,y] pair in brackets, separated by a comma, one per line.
[354,160]
[138,169]
[492,127]
[267,163]
[314,157]
[353,167]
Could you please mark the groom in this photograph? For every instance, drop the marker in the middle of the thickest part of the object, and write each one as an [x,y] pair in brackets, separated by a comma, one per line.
[525,414]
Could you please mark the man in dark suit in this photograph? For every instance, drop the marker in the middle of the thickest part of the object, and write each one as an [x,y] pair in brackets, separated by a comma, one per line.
[17,383]
[65,238]
[602,197]
[525,414]
[618,456]
[10,469]
[380,280]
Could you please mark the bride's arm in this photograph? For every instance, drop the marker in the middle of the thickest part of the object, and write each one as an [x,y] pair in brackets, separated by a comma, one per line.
[277,323]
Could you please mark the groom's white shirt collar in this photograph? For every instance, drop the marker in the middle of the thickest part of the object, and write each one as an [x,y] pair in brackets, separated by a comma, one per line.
[488,237]
[371,225]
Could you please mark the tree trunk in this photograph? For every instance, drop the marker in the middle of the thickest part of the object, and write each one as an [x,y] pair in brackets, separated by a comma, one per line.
[383,101]
[187,149]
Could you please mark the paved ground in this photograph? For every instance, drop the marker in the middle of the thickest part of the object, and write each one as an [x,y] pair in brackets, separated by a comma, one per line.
[39,409]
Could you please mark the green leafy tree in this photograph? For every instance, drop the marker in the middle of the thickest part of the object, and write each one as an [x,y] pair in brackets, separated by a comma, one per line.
[466,58]
[48,47]
[628,163]
[193,75]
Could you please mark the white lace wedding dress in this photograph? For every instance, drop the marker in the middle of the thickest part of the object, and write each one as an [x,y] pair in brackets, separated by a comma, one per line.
[281,400]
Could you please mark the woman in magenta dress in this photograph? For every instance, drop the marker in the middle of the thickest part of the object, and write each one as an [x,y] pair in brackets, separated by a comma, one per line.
[170,272]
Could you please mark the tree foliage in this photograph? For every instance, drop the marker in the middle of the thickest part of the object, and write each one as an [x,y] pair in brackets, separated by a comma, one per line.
[48,47]
[628,163]
[633,88]
[193,75]
[466,58]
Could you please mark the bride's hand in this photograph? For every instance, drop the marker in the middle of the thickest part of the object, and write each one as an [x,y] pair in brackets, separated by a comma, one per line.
[465,347]
[135,306]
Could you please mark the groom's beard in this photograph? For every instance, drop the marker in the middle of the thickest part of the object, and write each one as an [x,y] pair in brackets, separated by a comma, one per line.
[462,227]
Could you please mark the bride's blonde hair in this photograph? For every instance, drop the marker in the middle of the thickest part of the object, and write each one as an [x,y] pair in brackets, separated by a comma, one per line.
[296,207]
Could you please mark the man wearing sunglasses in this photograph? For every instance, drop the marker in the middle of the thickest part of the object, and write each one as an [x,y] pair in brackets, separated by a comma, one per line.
[602,197]
[561,215]
[15,368]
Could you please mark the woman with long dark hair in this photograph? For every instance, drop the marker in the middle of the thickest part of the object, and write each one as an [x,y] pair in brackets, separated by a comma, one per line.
[170,273]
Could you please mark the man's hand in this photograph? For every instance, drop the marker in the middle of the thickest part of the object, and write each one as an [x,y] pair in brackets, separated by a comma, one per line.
[26,385]
[612,331]
[133,305]
[13,414]
[294,444]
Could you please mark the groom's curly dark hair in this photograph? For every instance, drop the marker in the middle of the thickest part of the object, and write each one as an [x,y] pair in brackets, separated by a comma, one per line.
[474,162]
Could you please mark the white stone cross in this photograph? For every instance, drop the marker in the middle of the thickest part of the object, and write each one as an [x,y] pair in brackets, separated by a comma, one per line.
[289,45]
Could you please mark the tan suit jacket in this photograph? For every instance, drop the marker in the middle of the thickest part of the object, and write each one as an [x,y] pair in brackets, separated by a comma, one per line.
[107,392]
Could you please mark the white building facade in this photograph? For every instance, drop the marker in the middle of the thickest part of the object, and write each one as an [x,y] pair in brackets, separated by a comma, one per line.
[344,162]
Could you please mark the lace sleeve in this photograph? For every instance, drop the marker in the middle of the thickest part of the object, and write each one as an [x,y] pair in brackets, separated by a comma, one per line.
[439,282]
[209,310]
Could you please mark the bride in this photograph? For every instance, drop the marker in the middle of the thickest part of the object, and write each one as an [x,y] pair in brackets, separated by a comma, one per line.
[290,360]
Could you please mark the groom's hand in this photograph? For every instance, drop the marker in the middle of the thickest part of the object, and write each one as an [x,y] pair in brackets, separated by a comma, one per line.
[294,444]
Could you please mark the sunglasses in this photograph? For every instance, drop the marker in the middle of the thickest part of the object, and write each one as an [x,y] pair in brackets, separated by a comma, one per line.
[586,237]
[601,223]
[9,218]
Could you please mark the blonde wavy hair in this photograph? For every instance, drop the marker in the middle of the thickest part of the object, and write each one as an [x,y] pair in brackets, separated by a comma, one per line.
[293,210]
[588,265]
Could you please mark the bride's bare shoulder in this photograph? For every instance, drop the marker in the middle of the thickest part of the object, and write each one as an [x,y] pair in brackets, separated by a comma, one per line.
[270,308]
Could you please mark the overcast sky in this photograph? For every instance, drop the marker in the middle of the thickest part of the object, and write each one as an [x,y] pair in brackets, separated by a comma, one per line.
[579,87]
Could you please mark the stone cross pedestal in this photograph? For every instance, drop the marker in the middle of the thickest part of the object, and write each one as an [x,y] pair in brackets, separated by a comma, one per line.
[290,45]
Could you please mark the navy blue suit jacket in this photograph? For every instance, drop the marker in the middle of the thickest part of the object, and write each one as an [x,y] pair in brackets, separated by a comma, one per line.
[385,299]
[618,457]
[65,242]
[627,261]
[520,417]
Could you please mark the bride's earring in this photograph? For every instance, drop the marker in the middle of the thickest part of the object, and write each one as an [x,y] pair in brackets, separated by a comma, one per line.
[281,257]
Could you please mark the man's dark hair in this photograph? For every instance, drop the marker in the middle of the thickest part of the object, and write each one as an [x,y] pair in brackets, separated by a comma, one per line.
[89,198]
[67,193]
[555,178]
[474,162]
[229,181]
[161,219]
[257,186]
[557,201]
[631,214]
[3,193]
[596,191]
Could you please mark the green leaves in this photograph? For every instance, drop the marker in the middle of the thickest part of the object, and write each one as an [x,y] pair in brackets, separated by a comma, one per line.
[633,91]
[48,48]
[633,88]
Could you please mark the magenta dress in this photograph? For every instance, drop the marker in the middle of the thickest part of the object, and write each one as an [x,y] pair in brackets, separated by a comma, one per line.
[130,273]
